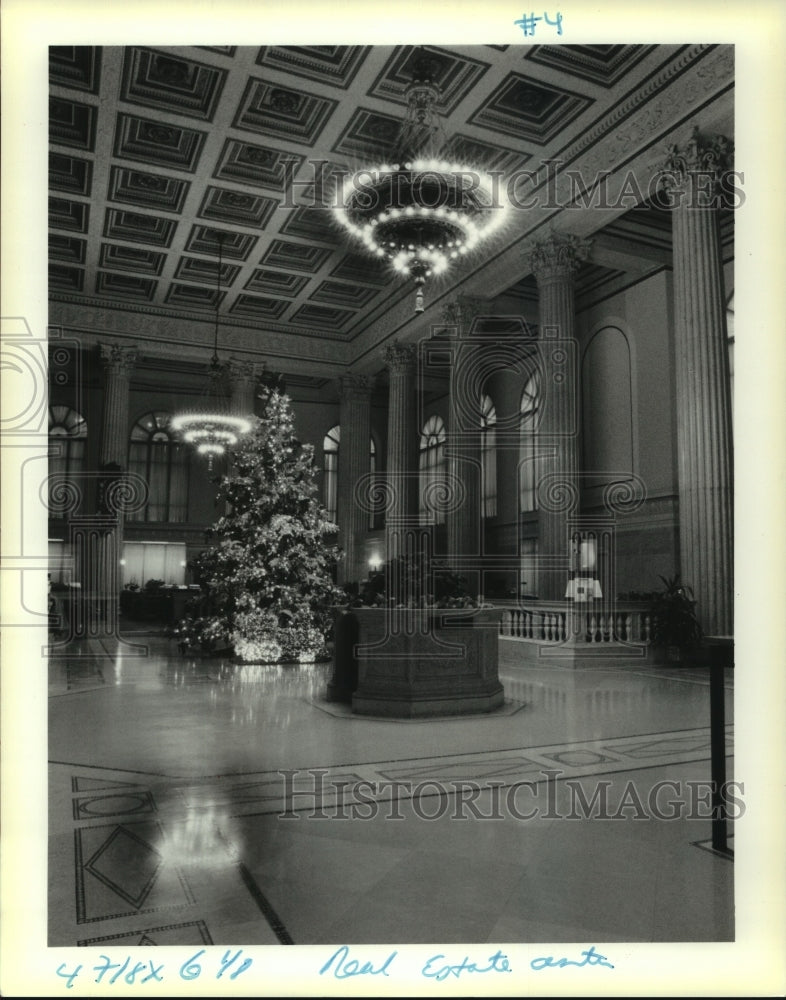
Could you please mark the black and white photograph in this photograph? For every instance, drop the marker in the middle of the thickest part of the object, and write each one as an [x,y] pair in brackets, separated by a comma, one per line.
[383,538]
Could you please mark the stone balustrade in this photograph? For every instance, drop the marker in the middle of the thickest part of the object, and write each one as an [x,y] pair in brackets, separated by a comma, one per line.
[548,621]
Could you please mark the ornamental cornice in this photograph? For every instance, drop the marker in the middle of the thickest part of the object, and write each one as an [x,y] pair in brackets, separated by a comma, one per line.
[646,111]
[193,330]
[556,256]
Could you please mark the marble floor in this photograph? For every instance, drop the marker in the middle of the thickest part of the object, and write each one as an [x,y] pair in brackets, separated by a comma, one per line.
[196,802]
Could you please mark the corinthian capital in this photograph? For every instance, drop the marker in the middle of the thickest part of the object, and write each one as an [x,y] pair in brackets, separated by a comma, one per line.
[400,358]
[708,155]
[242,371]
[118,360]
[462,311]
[556,256]
[355,386]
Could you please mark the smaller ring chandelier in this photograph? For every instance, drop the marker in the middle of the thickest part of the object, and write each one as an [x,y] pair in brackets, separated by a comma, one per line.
[211,426]
[421,212]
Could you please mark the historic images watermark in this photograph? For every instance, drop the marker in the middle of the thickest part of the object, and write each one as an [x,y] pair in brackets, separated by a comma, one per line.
[311,794]
[550,185]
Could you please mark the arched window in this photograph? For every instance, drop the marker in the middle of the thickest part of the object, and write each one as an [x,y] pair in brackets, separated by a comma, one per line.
[161,460]
[330,469]
[488,455]
[528,463]
[67,441]
[432,462]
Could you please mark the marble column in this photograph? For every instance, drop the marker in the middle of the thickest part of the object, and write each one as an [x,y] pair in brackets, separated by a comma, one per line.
[463,495]
[691,175]
[554,262]
[353,463]
[101,567]
[243,378]
[402,455]
[118,366]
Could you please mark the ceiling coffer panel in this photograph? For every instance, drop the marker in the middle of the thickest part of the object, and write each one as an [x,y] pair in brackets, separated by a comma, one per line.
[157,153]
[336,65]
[171,82]
[272,110]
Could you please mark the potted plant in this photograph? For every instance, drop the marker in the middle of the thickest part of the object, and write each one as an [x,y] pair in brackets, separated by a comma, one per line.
[675,626]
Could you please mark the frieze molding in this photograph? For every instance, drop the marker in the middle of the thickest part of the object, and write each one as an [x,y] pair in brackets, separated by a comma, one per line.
[156,339]
[137,323]
[715,70]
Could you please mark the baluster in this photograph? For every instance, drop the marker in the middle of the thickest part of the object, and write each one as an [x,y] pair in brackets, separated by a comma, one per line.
[592,628]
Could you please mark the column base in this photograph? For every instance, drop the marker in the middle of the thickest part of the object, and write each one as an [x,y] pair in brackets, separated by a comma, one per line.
[420,705]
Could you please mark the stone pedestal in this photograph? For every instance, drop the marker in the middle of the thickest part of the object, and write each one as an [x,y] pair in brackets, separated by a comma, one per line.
[425,662]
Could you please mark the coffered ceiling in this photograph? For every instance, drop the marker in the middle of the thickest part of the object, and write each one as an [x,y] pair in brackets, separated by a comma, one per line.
[157,154]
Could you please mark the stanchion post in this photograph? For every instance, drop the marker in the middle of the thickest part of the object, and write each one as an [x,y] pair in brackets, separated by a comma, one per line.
[718,754]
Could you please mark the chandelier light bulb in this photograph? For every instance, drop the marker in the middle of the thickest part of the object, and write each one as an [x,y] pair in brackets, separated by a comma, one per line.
[421,203]
[211,426]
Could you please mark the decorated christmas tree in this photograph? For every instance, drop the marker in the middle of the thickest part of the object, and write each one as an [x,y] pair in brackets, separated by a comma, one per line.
[267,578]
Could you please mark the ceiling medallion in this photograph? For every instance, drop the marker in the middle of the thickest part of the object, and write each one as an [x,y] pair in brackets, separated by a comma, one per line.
[421,212]
[211,426]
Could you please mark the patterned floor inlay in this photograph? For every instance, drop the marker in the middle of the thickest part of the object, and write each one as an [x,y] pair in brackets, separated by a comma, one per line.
[149,860]
[120,871]
[305,788]
[130,803]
